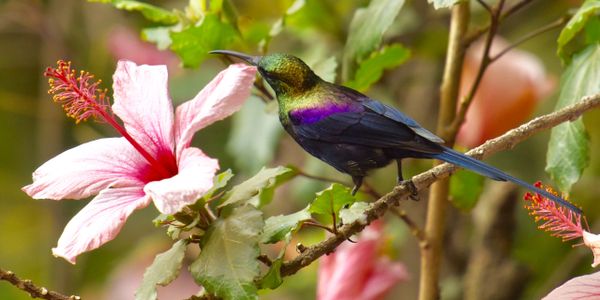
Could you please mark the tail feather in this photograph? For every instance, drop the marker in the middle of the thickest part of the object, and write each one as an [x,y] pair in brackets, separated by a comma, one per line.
[484,169]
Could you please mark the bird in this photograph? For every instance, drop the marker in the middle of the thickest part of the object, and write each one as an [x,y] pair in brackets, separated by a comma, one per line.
[353,132]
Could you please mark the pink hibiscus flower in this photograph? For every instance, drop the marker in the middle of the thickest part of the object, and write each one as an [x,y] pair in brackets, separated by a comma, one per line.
[357,271]
[152,162]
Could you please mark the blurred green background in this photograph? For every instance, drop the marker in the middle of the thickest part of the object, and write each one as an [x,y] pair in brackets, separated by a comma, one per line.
[34,34]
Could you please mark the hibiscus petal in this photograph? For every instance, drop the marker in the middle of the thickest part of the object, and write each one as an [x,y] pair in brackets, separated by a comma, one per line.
[195,177]
[220,98]
[142,101]
[87,169]
[99,222]
[592,241]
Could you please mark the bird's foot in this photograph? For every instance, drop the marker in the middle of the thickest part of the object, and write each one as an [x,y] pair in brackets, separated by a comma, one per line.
[414,193]
[355,190]
[357,183]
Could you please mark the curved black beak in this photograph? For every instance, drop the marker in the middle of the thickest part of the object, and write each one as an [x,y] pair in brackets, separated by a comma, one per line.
[253,60]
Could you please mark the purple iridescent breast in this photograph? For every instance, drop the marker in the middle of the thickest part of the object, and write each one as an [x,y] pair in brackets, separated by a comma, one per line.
[311,115]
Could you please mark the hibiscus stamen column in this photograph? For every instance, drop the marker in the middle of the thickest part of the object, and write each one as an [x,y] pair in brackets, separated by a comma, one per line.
[82,99]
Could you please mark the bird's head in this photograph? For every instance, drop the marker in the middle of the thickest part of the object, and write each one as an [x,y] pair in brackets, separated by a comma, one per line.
[286,74]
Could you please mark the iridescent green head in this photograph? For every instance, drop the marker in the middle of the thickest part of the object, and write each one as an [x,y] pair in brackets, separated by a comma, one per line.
[286,74]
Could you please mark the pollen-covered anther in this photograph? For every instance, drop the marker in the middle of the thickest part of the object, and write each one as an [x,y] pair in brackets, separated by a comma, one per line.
[557,220]
[79,95]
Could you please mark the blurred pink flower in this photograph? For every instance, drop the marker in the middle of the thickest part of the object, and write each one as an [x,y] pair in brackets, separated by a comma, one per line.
[126,277]
[508,93]
[126,44]
[153,161]
[358,271]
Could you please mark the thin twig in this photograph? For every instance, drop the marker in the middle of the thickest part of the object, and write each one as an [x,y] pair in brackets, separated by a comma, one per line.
[263,94]
[486,60]
[425,179]
[412,225]
[473,36]
[320,178]
[33,290]
[556,24]
[265,260]
[314,223]
[513,9]
[211,215]
[485,5]
[366,187]
[370,190]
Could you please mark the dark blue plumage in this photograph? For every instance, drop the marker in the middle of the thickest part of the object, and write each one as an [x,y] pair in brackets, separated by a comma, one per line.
[352,132]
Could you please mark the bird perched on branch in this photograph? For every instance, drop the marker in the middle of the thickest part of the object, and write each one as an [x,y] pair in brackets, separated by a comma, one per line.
[352,132]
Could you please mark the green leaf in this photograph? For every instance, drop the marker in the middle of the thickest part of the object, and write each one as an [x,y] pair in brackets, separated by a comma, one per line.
[465,188]
[254,136]
[371,69]
[163,219]
[325,68]
[273,279]
[366,30]
[220,181]
[355,212]
[592,30]
[193,43]
[163,270]
[278,228]
[173,232]
[228,265]
[158,35]
[437,4]
[196,9]
[576,24]
[259,188]
[277,27]
[330,200]
[568,151]
[150,12]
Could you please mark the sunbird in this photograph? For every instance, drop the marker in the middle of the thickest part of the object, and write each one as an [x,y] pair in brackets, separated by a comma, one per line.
[352,132]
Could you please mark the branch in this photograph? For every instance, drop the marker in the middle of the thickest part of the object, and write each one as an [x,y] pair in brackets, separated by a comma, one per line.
[425,179]
[33,290]
[490,259]
[431,250]
[412,225]
[472,37]
[463,106]
[556,24]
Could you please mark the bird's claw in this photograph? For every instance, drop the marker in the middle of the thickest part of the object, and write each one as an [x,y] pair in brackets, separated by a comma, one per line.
[414,193]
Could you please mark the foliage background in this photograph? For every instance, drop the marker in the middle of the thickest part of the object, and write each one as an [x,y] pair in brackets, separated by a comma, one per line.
[34,34]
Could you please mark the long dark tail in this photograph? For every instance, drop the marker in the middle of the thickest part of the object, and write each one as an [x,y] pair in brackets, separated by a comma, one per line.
[484,169]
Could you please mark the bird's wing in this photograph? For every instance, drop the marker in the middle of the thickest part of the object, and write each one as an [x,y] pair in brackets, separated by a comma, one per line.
[366,127]
[398,116]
